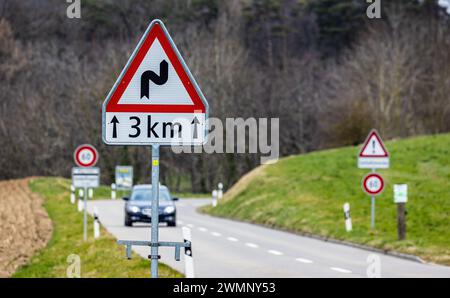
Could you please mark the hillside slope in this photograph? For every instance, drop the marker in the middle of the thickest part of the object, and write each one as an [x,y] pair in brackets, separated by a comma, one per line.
[305,194]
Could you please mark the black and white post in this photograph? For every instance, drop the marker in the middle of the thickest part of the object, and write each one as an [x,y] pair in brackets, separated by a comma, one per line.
[80,200]
[113,191]
[188,257]
[214,198]
[348,219]
[85,214]
[96,223]
[72,194]
[220,191]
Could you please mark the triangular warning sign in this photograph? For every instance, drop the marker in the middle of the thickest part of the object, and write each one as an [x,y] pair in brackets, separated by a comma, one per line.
[156,79]
[373,146]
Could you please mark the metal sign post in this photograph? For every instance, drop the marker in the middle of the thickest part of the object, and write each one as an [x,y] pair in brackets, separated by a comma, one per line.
[85,215]
[372,221]
[373,185]
[155,101]
[372,213]
[155,210]
[373,155]
[86,176]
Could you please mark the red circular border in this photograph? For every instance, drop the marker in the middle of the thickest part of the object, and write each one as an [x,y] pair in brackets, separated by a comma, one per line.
[89,147]
[367,178]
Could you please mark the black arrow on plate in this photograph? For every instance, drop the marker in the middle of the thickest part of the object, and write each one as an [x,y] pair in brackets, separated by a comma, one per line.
[150,75]
[195,122]
[114,121]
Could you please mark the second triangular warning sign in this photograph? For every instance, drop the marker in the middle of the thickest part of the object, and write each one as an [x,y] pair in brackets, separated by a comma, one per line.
[373,154]
[373,147]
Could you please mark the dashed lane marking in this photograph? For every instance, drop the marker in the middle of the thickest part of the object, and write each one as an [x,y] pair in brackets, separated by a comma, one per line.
[341,270]
[306,261]
[275,252]
[252,245]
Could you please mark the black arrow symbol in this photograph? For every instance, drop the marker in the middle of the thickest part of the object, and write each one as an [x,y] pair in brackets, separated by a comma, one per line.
[150,75]
[114,121]
[195,122]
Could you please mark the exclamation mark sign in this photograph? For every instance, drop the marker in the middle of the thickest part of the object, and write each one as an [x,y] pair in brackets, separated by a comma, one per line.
[373,147]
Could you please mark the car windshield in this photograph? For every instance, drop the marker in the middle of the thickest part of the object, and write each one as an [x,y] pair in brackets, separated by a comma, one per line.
[146,195]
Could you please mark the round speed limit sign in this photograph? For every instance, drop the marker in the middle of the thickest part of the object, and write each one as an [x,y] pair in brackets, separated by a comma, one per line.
[373,184]
[85,156]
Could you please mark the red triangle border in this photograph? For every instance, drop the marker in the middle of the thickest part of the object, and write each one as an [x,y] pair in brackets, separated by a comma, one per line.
[156,32]
[366,143]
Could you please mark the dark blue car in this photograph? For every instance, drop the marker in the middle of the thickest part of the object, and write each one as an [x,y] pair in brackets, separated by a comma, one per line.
[138,205]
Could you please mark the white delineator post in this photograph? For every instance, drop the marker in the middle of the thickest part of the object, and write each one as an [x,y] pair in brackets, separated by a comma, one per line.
[214,198]
[188,259]
[91,193]
[96,223]
[220,191]
[72,194]
[113,191]
[80,199]
[348,219]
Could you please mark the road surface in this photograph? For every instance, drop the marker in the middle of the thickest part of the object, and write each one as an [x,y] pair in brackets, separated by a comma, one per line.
[226,248]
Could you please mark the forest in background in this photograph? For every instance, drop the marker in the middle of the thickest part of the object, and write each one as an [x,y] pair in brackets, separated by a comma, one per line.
[321,66]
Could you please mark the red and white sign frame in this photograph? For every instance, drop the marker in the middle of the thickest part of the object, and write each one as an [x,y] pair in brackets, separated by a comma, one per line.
[192,117]
[79,155]
[367,188]
[373,161]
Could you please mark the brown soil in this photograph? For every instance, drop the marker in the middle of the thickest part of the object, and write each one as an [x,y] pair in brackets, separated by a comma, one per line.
[24,225]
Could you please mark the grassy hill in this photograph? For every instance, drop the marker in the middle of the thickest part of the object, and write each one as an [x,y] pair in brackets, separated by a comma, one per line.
[305,194]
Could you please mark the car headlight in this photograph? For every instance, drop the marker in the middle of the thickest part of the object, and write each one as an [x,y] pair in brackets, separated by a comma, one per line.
[169,209]
[134,209]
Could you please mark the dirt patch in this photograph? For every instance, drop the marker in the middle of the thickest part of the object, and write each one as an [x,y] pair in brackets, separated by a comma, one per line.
[24,225]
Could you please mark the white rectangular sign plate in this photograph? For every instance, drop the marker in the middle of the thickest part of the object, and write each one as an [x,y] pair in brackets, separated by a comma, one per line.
[124,177]
[86,177]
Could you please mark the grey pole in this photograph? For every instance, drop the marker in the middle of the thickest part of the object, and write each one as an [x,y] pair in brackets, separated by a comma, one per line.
[372,223]
[85,215]
[155,211]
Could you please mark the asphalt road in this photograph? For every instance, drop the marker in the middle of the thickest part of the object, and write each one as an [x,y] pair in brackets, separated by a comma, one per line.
[226,248]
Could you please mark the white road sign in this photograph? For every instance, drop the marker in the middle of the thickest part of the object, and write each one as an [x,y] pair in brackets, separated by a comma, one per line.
[124,177]
[400,193]
[85,155]
[86,177]
[373,184]
[155,99]
[373,154]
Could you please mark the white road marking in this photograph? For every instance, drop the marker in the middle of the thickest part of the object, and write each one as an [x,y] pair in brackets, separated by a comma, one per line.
[306,261]
[340,270]
[252,245]
[179,222]
[275,252]
[202,229]
[216,234]
[232,239]
[190,225]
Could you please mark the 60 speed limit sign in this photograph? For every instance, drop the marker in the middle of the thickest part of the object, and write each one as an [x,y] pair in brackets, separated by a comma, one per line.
[85,155]
[373,184]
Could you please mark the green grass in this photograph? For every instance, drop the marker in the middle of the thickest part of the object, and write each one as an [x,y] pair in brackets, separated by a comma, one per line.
[99,258]
[305,194]
[190,195]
